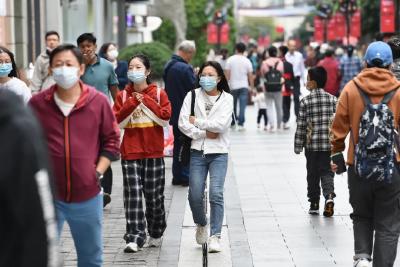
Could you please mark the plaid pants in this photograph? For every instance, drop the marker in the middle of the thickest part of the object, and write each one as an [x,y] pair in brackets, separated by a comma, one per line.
[147,176]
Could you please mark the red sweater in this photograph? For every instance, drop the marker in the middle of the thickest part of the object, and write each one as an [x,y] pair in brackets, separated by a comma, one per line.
[76,142]
[143,137]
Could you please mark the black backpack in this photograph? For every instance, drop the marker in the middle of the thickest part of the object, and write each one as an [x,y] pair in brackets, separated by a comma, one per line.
[273,79]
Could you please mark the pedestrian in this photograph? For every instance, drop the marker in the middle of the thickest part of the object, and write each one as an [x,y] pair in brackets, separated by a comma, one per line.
[259,100]
[83,138]
[27,217]
[9,76]
[239,73]
[394,44]
[373,174]
[350,66]
[272,70]
[143,110]
[315,115]
[288,86]
[296,59]
[41,78]
[100,74]
[110,52]
[179,78]
[223,57]
[209,130]
[331,65]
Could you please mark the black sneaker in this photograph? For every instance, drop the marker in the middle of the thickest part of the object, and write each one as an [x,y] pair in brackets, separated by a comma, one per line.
[329,204]
[314,208]
[106,199]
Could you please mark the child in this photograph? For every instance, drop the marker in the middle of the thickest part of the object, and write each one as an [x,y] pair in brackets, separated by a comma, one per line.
[313,123]
[259,100]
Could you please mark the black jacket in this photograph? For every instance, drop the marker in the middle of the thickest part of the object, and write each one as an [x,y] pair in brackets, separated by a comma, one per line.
[27,219]
[179,79]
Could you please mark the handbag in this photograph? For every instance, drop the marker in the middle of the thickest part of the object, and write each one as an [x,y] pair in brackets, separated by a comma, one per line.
[186,142]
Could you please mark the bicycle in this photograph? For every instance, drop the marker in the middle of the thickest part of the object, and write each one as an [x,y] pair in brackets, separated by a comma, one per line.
[205,246]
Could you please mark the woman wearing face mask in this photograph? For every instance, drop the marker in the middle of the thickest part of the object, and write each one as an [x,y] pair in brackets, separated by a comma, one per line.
[9,76]
[142,109]
[109,51]
[208,129]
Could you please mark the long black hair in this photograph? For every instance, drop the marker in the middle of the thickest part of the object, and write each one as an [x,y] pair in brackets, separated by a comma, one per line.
[104,48]
[146,62]
[223,83]
[14,71]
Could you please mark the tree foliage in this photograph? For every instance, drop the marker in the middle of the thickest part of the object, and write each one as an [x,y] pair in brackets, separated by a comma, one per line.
[166,34]
[157,52]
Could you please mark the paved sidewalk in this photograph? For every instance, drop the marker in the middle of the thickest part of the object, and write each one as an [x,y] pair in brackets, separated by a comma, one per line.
[266,220]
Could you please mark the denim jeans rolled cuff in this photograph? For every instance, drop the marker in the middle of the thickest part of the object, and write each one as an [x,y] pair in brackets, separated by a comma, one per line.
[362,256]
[200,165]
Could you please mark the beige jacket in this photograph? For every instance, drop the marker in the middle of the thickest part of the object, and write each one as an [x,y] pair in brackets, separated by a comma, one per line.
[41,79]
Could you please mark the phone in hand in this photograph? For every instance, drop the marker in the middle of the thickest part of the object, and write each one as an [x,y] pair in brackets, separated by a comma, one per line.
[338,160]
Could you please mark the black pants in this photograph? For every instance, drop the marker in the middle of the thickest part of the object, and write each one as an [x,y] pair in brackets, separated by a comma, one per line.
[296,95]
[107,181]
[262,113]
[286,103]
[319,171]
[180,173]
[376,208]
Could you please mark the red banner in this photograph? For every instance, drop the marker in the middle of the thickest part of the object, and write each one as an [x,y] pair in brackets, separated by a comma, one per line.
[340,25]
[355,24]
[264,41]
[225,33]
[331,28]
[387,16]
[318,29]
[212,33]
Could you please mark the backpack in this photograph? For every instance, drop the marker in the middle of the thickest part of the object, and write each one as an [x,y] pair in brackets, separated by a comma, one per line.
[273,79]
[374,153]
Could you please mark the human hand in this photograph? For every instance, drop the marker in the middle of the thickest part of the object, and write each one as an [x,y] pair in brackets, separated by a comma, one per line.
[192,119]
[138,96]
[212,135]
[334,167]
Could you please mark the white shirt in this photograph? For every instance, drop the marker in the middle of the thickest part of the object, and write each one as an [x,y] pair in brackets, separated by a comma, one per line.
[259,100]
[18,87]
[239,66]
[217,121]
[209,101]
[297,61]
[65,107]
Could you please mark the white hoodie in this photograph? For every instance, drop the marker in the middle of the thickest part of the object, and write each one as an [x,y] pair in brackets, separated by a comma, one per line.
[218,121]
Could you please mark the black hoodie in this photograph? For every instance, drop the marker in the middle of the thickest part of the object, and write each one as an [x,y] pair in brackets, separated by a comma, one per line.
[27,217]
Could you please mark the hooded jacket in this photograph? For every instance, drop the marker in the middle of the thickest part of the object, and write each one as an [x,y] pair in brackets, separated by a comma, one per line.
[143,122]
[41,78]
[376,82]
[77,141]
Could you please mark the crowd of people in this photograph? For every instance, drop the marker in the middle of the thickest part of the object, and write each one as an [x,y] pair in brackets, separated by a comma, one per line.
[90,109]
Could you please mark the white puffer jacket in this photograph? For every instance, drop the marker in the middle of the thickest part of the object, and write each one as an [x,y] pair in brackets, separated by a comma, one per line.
[218,121]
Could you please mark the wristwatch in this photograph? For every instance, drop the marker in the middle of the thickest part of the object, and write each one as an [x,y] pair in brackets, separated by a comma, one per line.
[99,175]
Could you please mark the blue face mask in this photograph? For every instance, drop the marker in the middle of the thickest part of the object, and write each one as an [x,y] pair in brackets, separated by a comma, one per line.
[136,76]
[5,69]
[208,83]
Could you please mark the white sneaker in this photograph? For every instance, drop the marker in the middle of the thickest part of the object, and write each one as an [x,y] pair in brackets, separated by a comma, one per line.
[241,128]
[131,247]
[361,263]
[201,234]
[273,129]
[154,242]
[258,126]
[214,244]
[286,126]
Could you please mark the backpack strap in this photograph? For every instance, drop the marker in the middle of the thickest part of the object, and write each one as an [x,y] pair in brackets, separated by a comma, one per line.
[192,103]
[364,96]
[276,65]
[158,95]
[388,96]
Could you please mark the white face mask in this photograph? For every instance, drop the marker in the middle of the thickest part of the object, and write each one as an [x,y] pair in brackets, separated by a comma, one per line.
[66,77]
[113,54]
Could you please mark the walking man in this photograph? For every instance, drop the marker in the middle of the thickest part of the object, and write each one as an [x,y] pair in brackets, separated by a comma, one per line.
[331,65]
[287,86]
[373,174]
[83,138]
[239,73]
[41,78]
[100,74]
[179,79]
[296,59]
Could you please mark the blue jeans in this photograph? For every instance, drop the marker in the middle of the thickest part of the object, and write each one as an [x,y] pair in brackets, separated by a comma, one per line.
[85,220]
[241,94]
[200,165]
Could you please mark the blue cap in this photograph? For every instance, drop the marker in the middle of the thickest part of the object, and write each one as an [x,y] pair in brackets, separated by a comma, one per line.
[381,51]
